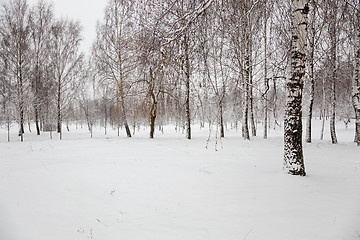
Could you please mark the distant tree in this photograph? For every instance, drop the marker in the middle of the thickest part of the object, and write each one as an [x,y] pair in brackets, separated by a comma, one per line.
[66,62]
[179,33]
[113,53]
[88,106]
[41,18]
[213,62]
[15,38]
[6,97]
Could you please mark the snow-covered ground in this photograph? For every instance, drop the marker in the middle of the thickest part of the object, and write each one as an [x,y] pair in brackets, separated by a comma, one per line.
[169,188]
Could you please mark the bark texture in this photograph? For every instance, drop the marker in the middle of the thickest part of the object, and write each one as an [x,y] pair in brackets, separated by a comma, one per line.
[59,120]
[333,59]
[152,105]
[293,153]
[245,126]
[187,87]
[123,109]
[311,71]
[251,97]
[356,84]
[266,80]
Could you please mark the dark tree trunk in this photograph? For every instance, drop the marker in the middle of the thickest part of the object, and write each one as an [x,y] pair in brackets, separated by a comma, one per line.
[222,131]
[153,105]
[152,126]
[123,108]
[37,121]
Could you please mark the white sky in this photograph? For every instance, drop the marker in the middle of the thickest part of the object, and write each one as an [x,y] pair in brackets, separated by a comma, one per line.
[88,12]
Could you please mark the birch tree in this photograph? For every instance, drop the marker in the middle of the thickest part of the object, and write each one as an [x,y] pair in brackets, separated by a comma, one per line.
[311,70]
[356,78]
[266,79]
[212,61]
[6,96]
[66,60]
[293,153]
[113,53]
[333,60]
[15,33]
[41,18]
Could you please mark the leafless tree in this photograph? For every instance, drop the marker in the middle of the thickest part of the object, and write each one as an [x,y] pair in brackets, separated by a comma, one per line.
[15,36]
[66,63]
[113,53]
[41,18]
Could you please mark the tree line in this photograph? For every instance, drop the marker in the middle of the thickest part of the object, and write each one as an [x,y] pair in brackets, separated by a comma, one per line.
[223,62]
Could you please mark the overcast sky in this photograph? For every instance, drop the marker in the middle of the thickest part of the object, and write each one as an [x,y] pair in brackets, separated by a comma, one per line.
[88,12]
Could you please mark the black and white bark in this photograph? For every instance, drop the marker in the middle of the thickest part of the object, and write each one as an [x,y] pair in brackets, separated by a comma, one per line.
[293,152]
[356,80]
[187,73]
[311,71]
[333,60]
[323,110]
[247,56]
[266,80]
[153,103]
[251,94]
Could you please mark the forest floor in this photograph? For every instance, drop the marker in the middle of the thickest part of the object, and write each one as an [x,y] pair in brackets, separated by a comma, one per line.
[169,188]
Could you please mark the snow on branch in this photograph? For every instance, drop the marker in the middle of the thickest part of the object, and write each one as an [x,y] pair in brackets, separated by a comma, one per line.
[188,19]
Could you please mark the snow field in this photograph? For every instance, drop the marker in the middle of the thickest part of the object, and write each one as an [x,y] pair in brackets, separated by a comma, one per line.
[109,188]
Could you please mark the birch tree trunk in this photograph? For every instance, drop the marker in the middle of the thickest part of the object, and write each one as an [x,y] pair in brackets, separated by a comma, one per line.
[356,82]
[121,89]
[311,72]
[333,74]
[58,108]
[152,104]
[123,109]
[187,87]
[251,97]
[21,100]
[266,80]
[293,153]
[323,110]
[245,126]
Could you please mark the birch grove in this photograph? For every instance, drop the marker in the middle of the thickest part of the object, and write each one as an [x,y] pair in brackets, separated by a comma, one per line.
[251,66]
